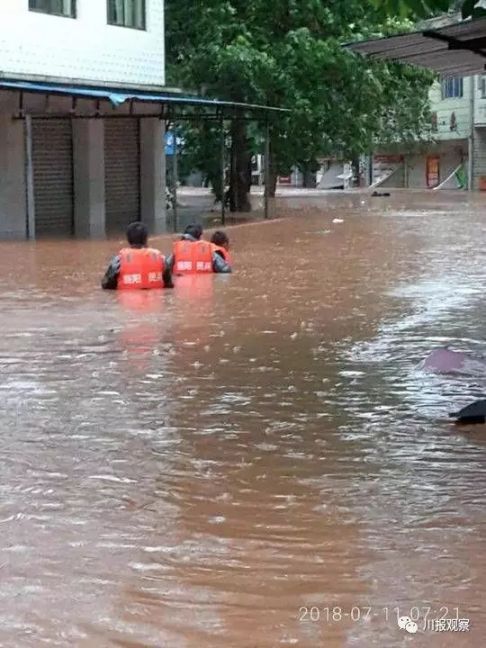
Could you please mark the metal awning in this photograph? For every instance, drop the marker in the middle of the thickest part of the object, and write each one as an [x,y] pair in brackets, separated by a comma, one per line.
[118,97]
[455,50]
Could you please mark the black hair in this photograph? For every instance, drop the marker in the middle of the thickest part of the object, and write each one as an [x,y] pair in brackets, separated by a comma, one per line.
[137,233]
[195,230]
[220,238]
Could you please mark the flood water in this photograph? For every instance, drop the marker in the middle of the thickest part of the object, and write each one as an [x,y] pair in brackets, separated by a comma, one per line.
[253,460]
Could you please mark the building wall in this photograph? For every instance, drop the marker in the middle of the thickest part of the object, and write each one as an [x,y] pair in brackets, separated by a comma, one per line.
[452,146]
[450,142]
[88,162]
[451,154]
[480,101]
[84,49]
[387,169]
[460,106]
[13,190]
[479,156]
[410,168]
[450,139]
[396,180]
[479,139]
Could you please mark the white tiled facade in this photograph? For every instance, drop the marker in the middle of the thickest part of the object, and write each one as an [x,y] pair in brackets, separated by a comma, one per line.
[85,48]
[480,101]
[459,137]
[472,100]
[445,108]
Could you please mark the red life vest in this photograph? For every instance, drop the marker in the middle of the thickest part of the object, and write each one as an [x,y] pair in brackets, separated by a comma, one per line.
[191,257]
[223,252]
[140,269]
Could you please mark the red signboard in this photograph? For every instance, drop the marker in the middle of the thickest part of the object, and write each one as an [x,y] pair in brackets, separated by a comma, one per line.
[284,180]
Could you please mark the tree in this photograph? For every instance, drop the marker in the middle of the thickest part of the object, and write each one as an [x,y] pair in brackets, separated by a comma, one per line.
[427,8]
[289,53]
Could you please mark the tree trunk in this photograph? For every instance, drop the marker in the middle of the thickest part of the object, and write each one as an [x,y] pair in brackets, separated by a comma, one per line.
[273,183]
[215,182]
[355,167]
[240,178]
[309,178]
[272,171]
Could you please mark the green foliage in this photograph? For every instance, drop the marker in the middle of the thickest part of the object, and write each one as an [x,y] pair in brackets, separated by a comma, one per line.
[428,8]
[289,53]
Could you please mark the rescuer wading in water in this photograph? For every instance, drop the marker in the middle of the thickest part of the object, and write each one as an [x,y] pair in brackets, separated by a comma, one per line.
[191,255]
[137,267]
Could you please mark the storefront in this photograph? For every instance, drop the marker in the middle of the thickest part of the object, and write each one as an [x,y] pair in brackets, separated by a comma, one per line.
[87,161]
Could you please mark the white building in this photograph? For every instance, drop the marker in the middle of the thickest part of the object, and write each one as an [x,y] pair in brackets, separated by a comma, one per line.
[453,144]
[71,160]
[458,107]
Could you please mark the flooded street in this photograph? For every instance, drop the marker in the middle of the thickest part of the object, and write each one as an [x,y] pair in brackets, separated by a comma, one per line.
[253,460]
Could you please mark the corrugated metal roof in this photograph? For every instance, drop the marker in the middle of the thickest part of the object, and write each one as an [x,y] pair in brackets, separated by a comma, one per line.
[455,50]
[118,97]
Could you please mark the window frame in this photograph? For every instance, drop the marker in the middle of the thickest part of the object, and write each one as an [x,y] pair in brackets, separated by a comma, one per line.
[124,26]
[482,86]
[456,87]
[73,15]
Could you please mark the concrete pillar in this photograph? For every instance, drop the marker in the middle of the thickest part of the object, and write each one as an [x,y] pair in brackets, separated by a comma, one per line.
[89,178]
[152,172]
[479,158]
[13,204]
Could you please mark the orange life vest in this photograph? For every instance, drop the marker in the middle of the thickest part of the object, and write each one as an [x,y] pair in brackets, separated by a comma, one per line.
[224,253]
[192,257]
[140,269]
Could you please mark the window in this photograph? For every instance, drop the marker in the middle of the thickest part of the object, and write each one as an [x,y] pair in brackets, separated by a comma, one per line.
[482,86]
[452,87]
[127,13]
[55,7]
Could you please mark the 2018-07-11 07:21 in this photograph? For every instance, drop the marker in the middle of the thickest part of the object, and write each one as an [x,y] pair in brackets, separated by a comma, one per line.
[357,613]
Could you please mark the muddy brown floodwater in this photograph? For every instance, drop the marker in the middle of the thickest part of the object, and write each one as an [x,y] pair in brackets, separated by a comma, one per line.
[254,460]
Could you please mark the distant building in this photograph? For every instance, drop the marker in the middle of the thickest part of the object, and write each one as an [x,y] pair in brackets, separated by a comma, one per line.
[71,164]
[458,107]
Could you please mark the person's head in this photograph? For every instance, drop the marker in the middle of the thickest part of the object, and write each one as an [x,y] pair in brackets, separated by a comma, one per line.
[220,239]
[195,230]
[137,234]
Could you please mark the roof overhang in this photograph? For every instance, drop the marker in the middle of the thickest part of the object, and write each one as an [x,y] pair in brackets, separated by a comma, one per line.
[117,97]
[455,50]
